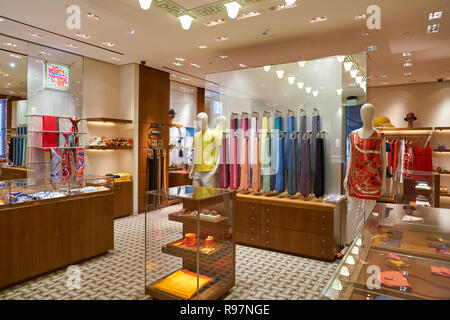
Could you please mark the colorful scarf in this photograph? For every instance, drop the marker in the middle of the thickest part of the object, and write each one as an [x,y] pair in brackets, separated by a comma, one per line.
[66,162]
[79,166]
[76,139]
[55,165]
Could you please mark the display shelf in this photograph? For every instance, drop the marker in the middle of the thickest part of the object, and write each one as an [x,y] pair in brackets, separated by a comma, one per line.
[183,250]
[115,120]
[63,117]
[184,218]
[109,147]
[47,131]
[436,150]
[445,194]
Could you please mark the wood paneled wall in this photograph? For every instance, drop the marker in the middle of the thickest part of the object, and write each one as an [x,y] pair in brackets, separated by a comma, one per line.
[154,105]
[200,100]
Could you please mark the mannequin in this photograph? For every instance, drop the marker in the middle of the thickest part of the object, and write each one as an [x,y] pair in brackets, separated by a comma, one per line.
[370,154]
[206,155]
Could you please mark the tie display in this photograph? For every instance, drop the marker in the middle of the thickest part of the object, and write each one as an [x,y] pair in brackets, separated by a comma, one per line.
[223,165]
[319,172]
[305,169]
[292,168]
[244,164]
[279,177]
[256,167]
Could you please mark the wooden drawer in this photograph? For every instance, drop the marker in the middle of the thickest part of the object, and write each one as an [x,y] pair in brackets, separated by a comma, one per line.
[246,238]
[247,213]
[309,215]
[250,228]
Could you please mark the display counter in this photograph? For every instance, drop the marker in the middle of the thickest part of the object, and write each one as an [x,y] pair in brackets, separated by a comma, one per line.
[402,253]
[45,226]
[304,227]
[195,260]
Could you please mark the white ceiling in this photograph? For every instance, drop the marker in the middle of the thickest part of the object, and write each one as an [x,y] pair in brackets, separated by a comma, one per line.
[290,37]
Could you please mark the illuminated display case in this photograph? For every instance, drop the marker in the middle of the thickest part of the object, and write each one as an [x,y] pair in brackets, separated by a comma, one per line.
[402,253]
[192,257]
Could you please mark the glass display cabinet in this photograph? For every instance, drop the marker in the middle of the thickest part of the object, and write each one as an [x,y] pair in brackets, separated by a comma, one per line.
[192,255]
[402,253]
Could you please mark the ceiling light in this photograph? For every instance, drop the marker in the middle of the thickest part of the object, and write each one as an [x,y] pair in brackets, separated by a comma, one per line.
[348,66]
[280,73]
[433,28]
[291,80]
[363,84]
[32,34]
[318,19]
[82,35]
[266,68]
[195,65]
[145,4]
[1,19]
[243,65]
[300,85]
[185,79]
[340,59]
[38,61]
[109,44]
[353,73]
[365,34]
[12,64]
[372,48]
[283,6]
[302,63]
[178,64]
[407,64]
[222,38]
[43,53]
[384,75]
[339,91]
[360,17]
[10,44]
[180,59]
[408,73]
[248,15]
[5,75]
[214,22]
[289,2]
[15,56]
[223,57]
[71,45]
[435,15]
[186,21]
[315,93]
[93,16]
[358,79]
[132,31]
[115,59]
[202,47]
[232,9]
[308,89]
[407,54]
[384,83]
[174,75]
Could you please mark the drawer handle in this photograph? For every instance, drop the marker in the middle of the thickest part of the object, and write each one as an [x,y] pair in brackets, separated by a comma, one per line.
[267,210]
[323,229]
[253,218]
[251,239]
[323,252]
[323,217]
[323,240]
[267,242]
[267,220]
[267,231]
[252,229]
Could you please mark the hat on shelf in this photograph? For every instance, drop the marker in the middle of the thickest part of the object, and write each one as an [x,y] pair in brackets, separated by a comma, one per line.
[410,115]
[382,122]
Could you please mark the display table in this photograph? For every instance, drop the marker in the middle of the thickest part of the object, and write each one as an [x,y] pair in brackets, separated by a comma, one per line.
[45,235]
[307,228]
[404,248]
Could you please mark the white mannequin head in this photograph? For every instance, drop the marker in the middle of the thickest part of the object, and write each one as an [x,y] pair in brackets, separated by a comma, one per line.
[202,119]
[222,123]
[367,112]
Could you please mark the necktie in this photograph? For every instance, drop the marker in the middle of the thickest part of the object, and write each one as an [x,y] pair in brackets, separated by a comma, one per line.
[244,164]
[293,167]
[290,126]
[319,173]
[233,165]
[265,128]
[279,180]
[273,162]
[256,166]
[305,173]
[266,166]
[315,129]
[223,166]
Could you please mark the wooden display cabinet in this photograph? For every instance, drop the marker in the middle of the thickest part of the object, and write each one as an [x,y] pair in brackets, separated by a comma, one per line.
[123,199]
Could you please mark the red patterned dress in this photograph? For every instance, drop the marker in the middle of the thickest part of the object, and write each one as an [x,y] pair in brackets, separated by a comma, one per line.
[365,176]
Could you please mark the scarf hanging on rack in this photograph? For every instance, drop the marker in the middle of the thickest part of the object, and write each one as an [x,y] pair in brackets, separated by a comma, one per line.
[256,166]
[66,155]
[79,166]
[55,165]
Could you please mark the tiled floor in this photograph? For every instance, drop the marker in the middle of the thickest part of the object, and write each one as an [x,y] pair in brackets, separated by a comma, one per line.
[260,274]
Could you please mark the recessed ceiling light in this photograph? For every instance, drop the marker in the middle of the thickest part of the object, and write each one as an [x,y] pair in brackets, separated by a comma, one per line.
[15,56]
[407,64]
[433,28]
[93,16]
[174,75]
[214,22]
[202,47]
[318,19]
[71,45]
[185,79]
[109,44]
[10,44]
[180,59]
[223,57]
[195,65]
[407,54]
[83,35]
[243,65]
[115,59]
[248,15]
[12,64]
[383,75]
[360,17]
[365,34]
[407,73]
[178,64]
[222,38]
[132,31]
[32,34]
[43,53]
[372,48]
[283,6]
[38,61]
[435,15]
[1,19]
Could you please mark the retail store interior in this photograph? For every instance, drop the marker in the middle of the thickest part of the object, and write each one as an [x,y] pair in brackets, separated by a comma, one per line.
[232,150]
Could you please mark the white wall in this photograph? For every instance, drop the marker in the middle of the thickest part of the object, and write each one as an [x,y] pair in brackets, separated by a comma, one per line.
[183,99]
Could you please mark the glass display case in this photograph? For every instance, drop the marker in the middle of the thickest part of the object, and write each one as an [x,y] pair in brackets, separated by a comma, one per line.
[34,191]
[191,256]
[402,252]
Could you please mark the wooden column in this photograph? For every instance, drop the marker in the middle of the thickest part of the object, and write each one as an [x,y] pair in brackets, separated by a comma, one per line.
[200,100]
[154,104]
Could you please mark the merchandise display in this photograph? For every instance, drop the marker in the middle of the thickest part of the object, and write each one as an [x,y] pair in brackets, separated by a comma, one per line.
[408,245]
[205,245]
[17,154]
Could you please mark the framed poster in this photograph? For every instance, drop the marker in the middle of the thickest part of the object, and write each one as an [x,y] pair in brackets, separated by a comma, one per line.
[57,76]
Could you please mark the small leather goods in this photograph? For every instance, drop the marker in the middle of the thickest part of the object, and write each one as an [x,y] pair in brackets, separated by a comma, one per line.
[395,264]
[191,239]
[393,279]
